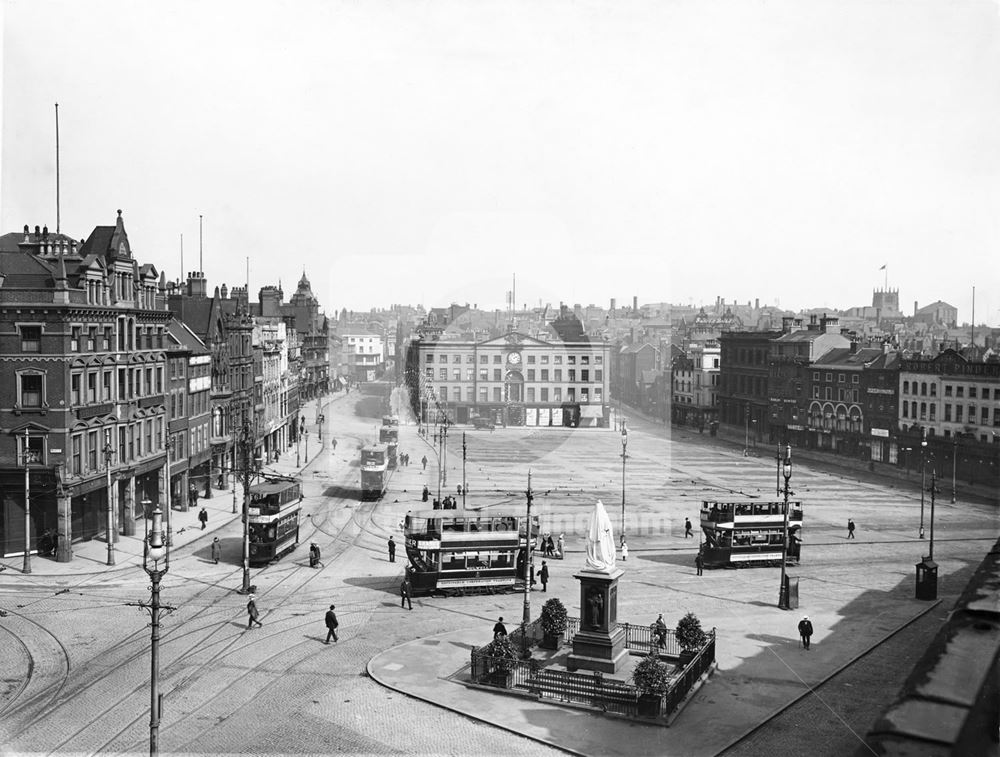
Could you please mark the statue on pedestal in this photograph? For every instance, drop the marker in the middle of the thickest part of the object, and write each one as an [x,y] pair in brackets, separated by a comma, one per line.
[600,541]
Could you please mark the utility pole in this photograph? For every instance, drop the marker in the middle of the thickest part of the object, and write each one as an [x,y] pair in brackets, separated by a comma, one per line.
[954,458]
[108,452]
[245,589]
[528,563]
[624,458]
[786,471]
[170,520]
[29,458]
[923,483]
[934,490]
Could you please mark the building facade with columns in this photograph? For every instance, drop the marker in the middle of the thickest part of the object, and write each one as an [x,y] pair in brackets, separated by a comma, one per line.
[512,380]
[82,386]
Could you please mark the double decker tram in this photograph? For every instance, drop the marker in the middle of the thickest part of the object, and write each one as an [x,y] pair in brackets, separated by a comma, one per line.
[467,551]
[390,420]
[749,533]
[374,471]
[389,436]
[273,522]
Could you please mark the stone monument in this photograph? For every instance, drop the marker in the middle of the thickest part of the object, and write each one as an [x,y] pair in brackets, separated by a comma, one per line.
[600,644]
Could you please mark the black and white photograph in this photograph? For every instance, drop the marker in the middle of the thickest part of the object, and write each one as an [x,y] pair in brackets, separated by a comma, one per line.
[544,377]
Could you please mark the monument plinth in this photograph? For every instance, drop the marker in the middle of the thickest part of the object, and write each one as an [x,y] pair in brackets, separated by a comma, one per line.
[600,643]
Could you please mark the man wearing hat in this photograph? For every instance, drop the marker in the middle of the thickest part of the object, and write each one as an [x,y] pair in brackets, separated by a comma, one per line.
[331,624]
[216,549]
[252,612]
[805,631]
[314,555]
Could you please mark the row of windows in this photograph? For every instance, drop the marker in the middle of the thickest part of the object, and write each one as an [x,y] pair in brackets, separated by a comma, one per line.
[88,387]
[99,338]
[843,395]
[529,359]
[841,377]
[542,375]
[952,413]
[925,389]
[556,394]
[90,451]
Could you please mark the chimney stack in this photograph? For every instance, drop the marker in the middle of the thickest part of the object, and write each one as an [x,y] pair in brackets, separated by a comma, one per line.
[914,308]
[635,305]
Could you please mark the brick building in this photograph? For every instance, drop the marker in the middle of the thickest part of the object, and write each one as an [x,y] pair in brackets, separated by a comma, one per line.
[82,340]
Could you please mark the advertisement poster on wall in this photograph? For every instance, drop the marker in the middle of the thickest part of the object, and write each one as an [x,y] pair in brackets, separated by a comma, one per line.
[531,416]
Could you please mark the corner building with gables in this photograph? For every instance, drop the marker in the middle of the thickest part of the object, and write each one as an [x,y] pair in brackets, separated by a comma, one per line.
[511,380]
[82,362]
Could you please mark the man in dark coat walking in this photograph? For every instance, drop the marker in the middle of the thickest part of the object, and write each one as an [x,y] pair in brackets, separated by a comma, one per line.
[392,550]
[687,528]
[253,613]
[423,461]
[331,624]
[805,631]
[699,563]
[216,550]
[543,576]
[850,528]
[203,517]
[405,590]
[499,629]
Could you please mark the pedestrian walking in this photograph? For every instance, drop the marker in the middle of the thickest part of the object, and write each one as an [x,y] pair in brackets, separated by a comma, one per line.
[543,576]
[805,631]
[216,550]
[405,591]
[660,632]
[331,624]
[687,528]
[203,517]
[426,493]
[850,528]
[699,563]
[252,612]
[499,629]
[624,550]
[423,461]
[392,550]
[333,443]
[314,555]
[560,544]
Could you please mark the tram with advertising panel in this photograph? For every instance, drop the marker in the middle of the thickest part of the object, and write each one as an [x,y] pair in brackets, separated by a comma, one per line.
[749,533]
[468,551]
[374,471]
[273,520]
[390,420]
[389,436]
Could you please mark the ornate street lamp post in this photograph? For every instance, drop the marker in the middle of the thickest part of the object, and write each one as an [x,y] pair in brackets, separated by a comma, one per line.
[247,440]
[528,571]
[156,562]
[624,458]
[923,484]
[786,472]
[307,446]
[29,458]
[954,458]
[167,445]
[464,484]
[108,454]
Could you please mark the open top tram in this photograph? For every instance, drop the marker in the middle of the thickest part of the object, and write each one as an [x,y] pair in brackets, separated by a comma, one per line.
[467,551]
[273,520]
[749,533]
[374,471]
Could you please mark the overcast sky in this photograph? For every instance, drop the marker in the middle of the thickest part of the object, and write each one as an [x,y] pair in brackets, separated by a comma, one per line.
[425,152]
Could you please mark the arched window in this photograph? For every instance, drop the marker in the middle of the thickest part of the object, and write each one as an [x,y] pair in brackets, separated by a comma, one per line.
[923,389]
[906,387]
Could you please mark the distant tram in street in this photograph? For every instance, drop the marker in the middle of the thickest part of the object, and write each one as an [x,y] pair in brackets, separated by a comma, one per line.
[748,533]
[467,551]
[374,471]
[389,436]
[273,522]
[390,420]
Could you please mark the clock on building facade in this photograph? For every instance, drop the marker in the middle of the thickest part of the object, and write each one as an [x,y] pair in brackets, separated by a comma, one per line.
[514,358]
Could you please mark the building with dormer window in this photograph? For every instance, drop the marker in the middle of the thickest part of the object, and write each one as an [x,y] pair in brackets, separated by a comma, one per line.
[82,386]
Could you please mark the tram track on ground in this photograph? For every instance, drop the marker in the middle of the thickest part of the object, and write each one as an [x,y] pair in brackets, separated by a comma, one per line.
[359,518]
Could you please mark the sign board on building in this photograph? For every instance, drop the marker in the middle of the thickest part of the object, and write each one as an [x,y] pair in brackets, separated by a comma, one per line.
[883,432]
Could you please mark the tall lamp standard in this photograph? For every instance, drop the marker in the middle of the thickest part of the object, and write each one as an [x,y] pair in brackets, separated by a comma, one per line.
[786,472]
[923,450]
[307,446]
[464,485]
[528,571]
[320,422]
[933,490]
[167,445]
[247,441]
[29,458]
[746,420]
[156,562]
[954,458]
[624,458]
[108,454]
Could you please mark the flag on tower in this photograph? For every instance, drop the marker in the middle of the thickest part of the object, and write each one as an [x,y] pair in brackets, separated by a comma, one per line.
[883,267]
